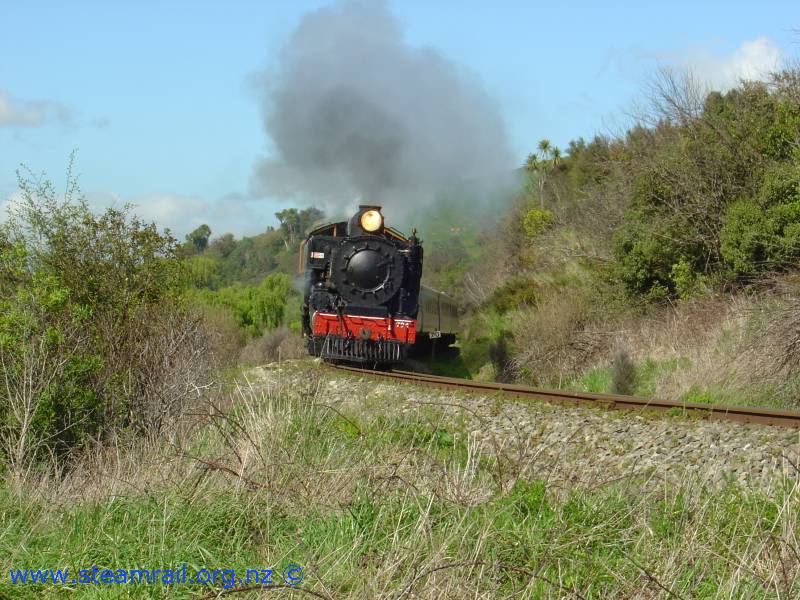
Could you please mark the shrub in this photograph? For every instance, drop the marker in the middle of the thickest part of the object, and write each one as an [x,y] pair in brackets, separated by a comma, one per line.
[643,260]
[716,191]
[536,220]
[514,293]
[499,357]
[688,283]
[554,340]
[775,332]
[764,234]
[94,339]
[226,338]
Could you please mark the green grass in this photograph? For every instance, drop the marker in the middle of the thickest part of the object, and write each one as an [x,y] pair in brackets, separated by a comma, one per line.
[368,503]
[587,542]
[701,396]
[651,370]
[596,380]
[648,374]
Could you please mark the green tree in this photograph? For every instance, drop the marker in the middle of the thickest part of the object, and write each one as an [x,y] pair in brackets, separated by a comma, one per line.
[224,245]
[764,234]
[255,308]
[711,187]
[270,301]
[289,220]
[544,147]
[198,239]
[308,217]
[296,223]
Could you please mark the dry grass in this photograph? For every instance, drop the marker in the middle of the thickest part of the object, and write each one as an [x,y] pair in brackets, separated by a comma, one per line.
[738,349]
[556,338]
[706,336]
[273,346]
[775,330]
[379,503]
[742,349]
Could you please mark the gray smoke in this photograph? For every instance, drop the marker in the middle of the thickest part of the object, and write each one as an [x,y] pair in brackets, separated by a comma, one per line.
[355,113]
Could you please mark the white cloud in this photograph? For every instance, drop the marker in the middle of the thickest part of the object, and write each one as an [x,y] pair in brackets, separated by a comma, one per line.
[241,214]
[6,203]
[233,213]
[34,113]
[21,113]
[178,213]
[171,210]
[753,60]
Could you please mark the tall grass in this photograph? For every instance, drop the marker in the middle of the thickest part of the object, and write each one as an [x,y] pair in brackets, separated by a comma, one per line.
[374,502]
[738,349]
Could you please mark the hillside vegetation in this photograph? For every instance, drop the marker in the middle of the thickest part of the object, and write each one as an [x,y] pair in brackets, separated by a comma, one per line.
[669,246]
[245,287]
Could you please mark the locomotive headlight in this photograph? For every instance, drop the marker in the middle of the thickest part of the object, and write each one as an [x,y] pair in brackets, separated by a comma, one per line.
[371,220]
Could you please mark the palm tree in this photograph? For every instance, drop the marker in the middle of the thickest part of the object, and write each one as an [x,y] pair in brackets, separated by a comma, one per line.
[555,154]
[544,147]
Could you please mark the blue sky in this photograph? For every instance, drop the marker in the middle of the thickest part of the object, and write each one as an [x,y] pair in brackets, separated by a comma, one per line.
[159,98]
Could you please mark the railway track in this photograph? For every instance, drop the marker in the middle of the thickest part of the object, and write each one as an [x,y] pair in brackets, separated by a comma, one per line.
[744,414]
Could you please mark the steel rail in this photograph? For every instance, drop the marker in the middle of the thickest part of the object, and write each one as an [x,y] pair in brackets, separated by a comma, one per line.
[744,414]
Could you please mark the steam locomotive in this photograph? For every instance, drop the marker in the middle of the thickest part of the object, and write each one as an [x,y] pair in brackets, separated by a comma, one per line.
[362,299]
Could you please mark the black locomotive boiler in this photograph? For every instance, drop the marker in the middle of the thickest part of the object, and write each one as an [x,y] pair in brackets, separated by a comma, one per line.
[362,299]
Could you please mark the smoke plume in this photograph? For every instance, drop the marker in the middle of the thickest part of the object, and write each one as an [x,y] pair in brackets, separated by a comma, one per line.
[355,113]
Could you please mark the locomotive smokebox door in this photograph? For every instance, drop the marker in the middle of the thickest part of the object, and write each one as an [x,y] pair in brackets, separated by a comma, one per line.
[367,270]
